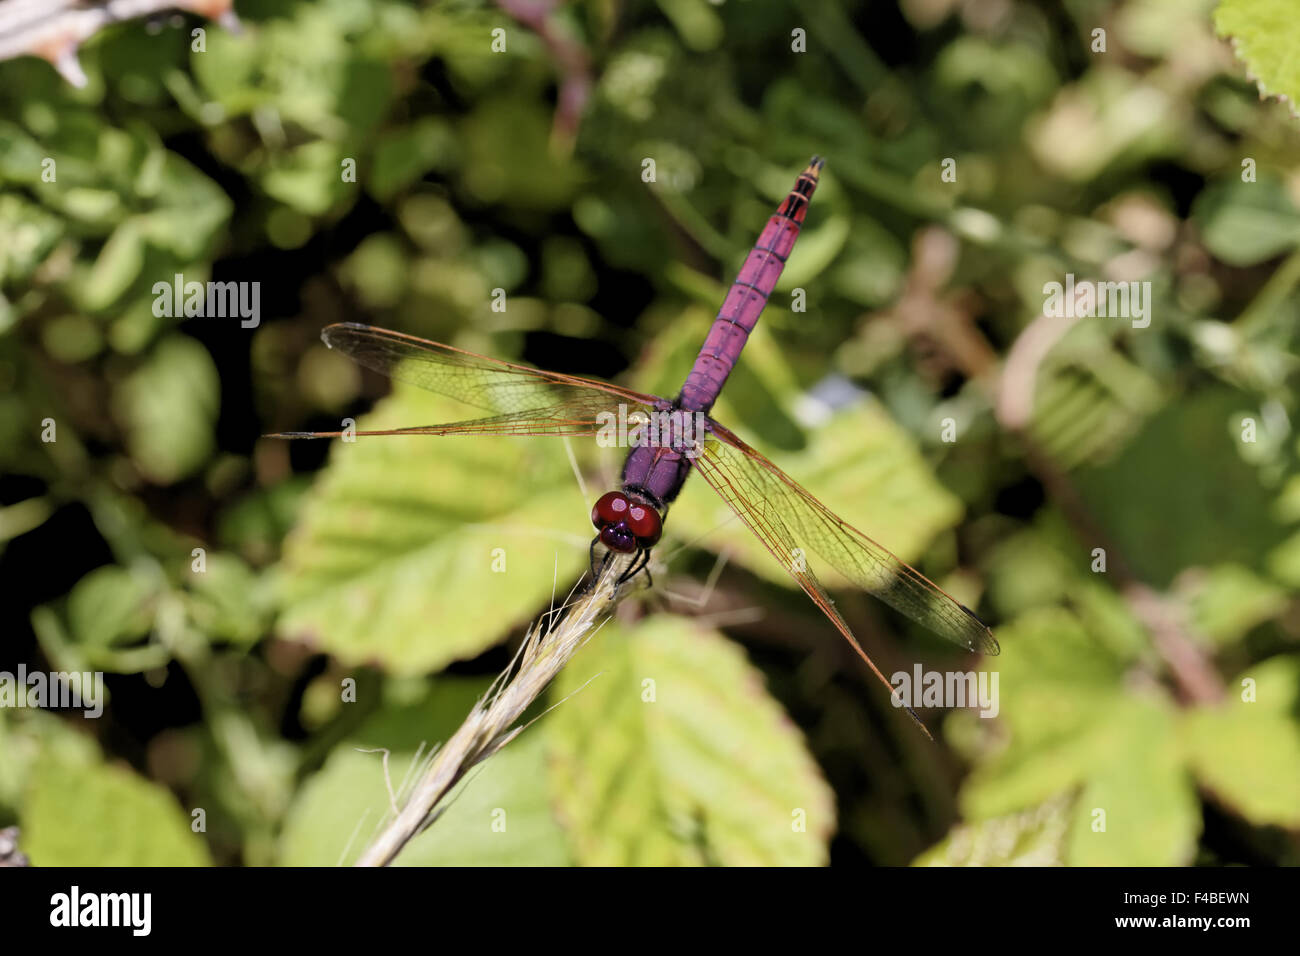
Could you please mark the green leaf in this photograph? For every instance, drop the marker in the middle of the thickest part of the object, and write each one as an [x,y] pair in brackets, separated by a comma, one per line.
[1063,685]
[1025,571]
[508,159]
[816,250]
[95,814]
[1138,806]
[94,207]
[363,93]
[30,738]
[255,525]
[227,71]
[20,155]
[110,605]
[1072,727]
[27,235]
[1245,224]
[190,209]
[378,270]
[500,815]
[1283,562]
[1247,752]
[169,407]
[308,179]
[675,754]
[227,600]
[1033,837]
[402,156]
[1265,36]
[1164,521]
[116,268]
[73,338]
[1231,600]
[393,558]
[699,26]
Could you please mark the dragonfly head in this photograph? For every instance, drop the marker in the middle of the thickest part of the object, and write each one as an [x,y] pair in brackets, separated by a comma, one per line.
[625,524]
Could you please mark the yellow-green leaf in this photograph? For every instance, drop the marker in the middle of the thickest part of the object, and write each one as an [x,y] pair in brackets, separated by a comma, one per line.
[1247,752]
[415,551]
[1033,837]
[674,754]
[169,406]
[1231,600]
[109,605]
[500,815]
[94,814]
[1265,35]
[1138,806]
[1073,726]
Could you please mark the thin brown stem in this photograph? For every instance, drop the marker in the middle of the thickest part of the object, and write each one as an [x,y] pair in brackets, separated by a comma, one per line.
[570,59]
[55,29]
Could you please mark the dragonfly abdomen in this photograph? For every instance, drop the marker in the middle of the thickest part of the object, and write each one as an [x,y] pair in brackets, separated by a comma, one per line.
[747,296]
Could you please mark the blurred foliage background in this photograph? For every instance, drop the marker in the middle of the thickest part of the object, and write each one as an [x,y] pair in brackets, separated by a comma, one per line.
[1159,693]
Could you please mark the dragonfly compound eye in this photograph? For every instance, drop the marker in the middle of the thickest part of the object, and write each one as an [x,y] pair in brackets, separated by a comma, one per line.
[610,508]
[644,522]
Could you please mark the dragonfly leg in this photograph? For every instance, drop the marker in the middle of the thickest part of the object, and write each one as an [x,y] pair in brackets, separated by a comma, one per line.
[597,569]
[639,563]
[645,566]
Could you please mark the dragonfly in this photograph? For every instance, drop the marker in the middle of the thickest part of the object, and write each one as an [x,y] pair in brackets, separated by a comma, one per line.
[676,437]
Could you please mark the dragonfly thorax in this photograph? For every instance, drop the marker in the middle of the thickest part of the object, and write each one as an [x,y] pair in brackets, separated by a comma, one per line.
[626,523]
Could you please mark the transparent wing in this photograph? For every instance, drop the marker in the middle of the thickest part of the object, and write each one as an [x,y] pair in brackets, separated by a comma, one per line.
[478,380]
[527,401]
[555,421]
[792,523]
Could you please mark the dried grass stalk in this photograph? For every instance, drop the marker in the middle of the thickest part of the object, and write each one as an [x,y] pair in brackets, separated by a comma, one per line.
[490,725]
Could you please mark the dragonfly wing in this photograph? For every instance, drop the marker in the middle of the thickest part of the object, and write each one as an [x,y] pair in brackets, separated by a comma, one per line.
[791,523]
[478,380]
[555,421]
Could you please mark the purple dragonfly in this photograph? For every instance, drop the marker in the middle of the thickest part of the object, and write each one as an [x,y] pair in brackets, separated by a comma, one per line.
[675,438]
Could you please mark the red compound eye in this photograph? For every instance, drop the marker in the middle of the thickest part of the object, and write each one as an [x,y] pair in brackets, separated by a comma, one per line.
[610,508]
[643,521]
